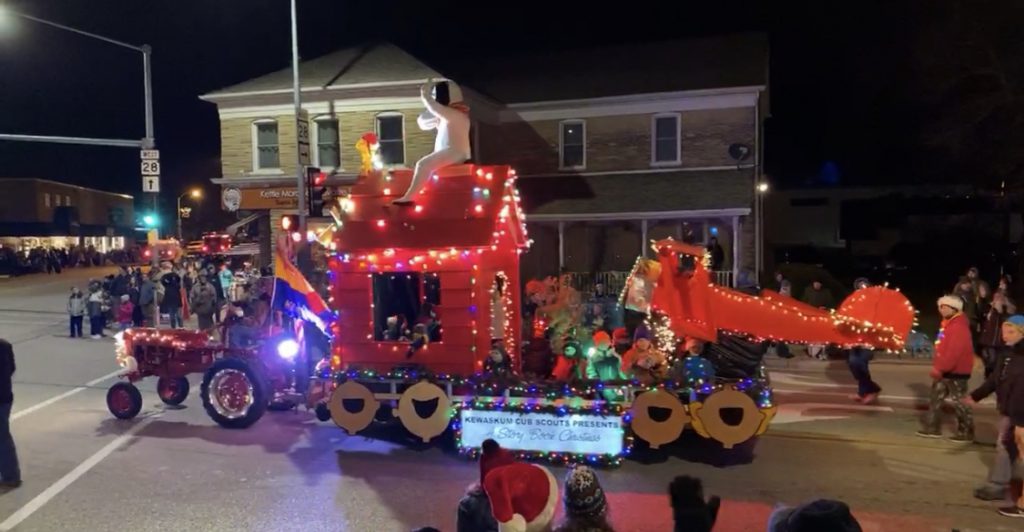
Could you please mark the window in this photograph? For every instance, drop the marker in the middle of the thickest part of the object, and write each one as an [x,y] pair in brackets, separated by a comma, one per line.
[266,151]
[67,201]
[391,135]
[665,139]
[405,305]
[56,200]
[46,199]
[328,151]
[573,145]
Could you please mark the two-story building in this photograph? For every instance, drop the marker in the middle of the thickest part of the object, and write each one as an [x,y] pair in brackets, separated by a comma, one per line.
[615,146]
[43,213]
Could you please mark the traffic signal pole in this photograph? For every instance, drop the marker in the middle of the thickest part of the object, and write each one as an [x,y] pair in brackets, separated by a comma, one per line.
[302,252]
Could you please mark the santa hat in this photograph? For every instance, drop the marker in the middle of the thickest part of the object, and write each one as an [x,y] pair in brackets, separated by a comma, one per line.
[602,338]
[523,497]
[493,456]
[953,302]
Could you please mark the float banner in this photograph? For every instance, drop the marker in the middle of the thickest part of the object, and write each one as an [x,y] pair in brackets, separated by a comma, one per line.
[542,432]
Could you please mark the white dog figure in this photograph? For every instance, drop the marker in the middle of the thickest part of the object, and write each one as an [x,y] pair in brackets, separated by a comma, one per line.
[450,116]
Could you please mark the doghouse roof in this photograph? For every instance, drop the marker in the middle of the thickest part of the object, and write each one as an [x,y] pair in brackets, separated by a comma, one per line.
[465,206]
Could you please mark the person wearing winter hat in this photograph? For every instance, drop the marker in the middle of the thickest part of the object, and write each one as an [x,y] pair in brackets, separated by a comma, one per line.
[604,364]
[1007,381]
[474,514]
[951,368]
[822,515]
[523,497]
[643,361]
[586,507]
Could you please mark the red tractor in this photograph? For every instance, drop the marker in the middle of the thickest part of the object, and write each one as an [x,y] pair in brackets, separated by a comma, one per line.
[239,383]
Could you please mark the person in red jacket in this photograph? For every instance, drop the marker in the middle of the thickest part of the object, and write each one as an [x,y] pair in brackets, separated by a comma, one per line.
[951,368]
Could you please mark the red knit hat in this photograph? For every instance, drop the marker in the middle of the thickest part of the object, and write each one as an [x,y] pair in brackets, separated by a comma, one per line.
[601,337]
[620,334]
[493,456]
[523,497]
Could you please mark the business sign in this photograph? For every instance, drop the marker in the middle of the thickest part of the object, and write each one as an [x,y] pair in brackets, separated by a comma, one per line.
[254,199]
[589,434]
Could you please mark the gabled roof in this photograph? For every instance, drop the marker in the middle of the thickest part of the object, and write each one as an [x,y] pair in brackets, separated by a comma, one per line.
[461,209]
[728,61]
[358,65]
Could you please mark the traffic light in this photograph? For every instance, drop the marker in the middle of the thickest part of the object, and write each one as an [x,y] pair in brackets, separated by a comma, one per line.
[316,186]
[290,225]
[150,220]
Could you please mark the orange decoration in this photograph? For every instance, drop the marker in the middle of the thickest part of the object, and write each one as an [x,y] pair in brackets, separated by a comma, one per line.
[875,316]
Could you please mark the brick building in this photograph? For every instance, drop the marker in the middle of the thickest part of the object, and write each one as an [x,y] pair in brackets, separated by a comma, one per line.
[615,146]
[43,213]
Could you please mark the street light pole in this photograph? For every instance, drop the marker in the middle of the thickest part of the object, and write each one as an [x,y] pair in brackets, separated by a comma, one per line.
[148,142]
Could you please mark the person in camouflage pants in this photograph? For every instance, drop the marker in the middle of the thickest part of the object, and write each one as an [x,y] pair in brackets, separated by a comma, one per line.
[955,390]
[951,368]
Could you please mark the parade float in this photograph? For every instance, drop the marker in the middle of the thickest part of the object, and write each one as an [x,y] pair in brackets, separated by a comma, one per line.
[425,310]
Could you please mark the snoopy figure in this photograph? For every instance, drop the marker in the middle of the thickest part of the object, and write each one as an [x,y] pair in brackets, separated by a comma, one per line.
[450,117]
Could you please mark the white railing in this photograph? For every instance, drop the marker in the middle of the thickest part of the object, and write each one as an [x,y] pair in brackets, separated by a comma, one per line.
[614,281]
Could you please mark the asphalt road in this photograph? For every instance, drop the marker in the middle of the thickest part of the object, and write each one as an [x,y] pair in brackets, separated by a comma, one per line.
[175,469]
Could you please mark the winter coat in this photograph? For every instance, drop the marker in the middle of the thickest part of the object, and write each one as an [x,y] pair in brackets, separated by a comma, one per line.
[76,305]
[95,304]
[1007,381]
[954,350]
[818,298]
[992,329]
[474,513]
[226,277]
[204,299]
[172,291]
[147,295]
[124,312]
[6,372]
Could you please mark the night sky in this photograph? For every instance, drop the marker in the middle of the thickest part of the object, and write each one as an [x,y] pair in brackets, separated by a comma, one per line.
[856,87]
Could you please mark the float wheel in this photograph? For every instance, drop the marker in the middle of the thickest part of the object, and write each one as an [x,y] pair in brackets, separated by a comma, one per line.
[172,390]
[124,400]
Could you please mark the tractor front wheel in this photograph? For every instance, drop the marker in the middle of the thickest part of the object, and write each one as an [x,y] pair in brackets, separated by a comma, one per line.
[172,390]
[124,400]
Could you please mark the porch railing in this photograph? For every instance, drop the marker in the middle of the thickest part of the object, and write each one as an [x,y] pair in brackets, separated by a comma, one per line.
[615,281]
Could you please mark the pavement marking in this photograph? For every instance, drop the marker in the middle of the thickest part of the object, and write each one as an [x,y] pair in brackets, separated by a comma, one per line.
[65,395]
[57,487]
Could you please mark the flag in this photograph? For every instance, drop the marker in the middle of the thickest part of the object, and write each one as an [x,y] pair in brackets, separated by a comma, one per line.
[293,294]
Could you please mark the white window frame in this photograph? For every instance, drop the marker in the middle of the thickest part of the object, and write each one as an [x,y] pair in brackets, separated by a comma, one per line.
[46,199]
[561,144]
[405,141]
[256,169]
[679,139]
[315,134]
